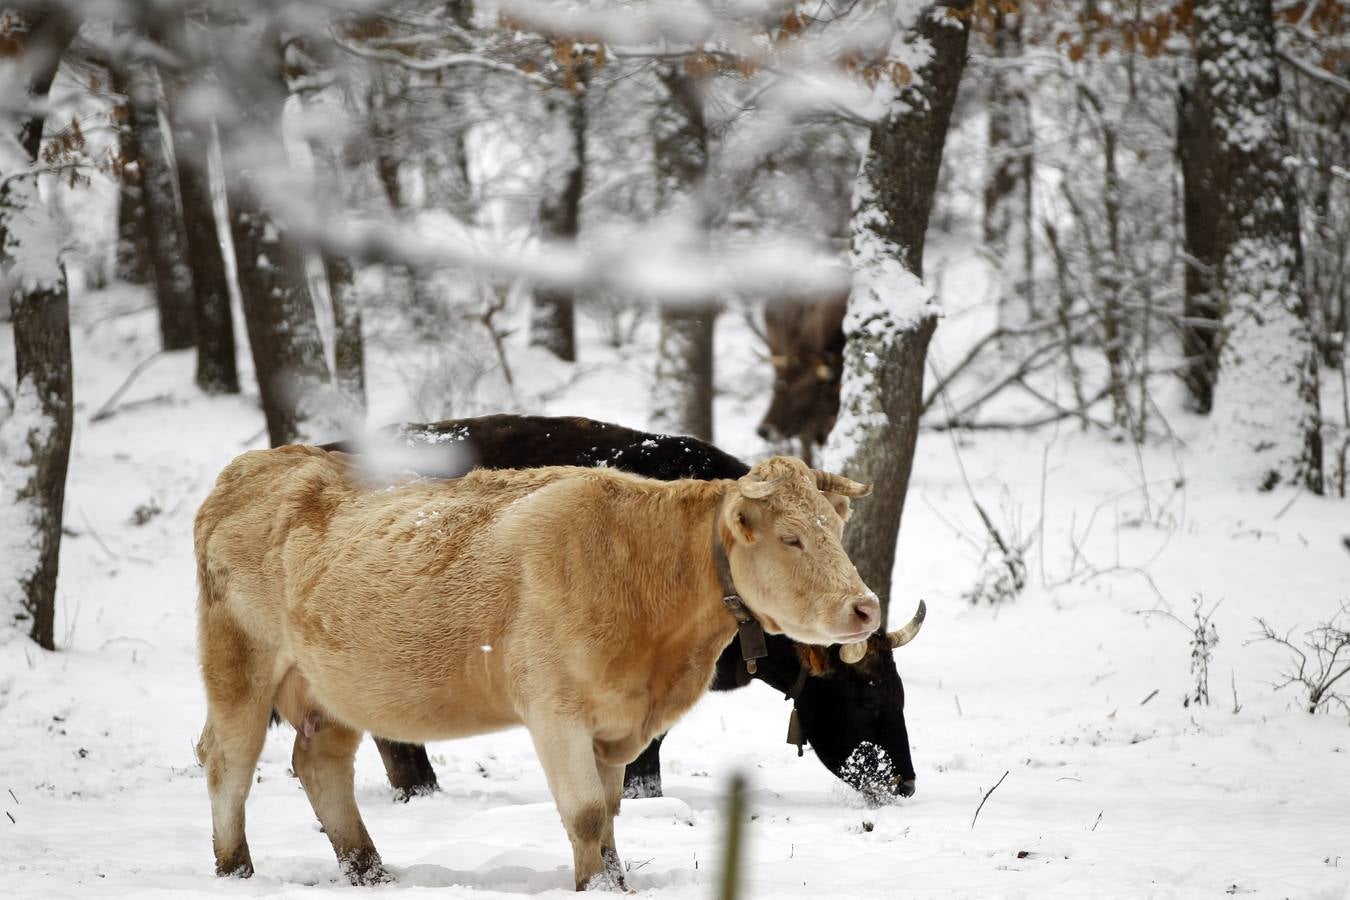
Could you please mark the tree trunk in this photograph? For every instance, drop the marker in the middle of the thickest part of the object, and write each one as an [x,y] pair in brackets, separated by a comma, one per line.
[216,366]
[890,312]
[1265,405]
[684,373]
[349,353]
[1201,316]
[283,332]
[552,326]
[1007,192]
[682,399]
[131,256]
[35,438]
[159,212]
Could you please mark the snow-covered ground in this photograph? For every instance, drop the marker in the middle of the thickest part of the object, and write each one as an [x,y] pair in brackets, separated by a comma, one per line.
[1074,689]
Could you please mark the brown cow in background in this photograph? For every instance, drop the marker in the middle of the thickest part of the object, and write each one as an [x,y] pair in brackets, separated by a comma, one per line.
[806,347]
[584,604]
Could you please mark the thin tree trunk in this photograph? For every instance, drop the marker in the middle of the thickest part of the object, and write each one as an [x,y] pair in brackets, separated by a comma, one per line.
[283,332]
[890,314]
[349,354]
[1008,185]
[682,399]
[216,365]
[1266,405]
[131,256]
[159,212]
[552,326]
[35,438]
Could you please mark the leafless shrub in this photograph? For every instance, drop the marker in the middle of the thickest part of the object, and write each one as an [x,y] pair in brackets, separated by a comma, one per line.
[1003,568]
[1317,662]
[1204,637]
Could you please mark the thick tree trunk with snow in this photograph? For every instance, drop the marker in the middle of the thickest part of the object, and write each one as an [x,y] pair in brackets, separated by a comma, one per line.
[283,331]
[682,392]
[1007,190]
[159,212]
[552,323]
[35,437]
[891,316]
[1265,403]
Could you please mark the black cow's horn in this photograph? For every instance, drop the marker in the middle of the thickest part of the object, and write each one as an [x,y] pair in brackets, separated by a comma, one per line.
[853,653]
[902,636]
[838,484]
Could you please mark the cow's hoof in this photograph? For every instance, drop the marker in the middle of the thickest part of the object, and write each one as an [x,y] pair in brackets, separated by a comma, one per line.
[642,787]
[236,865]
[610,878]
[364,868]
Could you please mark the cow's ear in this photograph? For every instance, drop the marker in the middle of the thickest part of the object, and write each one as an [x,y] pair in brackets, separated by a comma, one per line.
[745,518]
[840,503]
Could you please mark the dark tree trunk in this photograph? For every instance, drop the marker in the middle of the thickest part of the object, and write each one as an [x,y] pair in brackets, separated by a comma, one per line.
[553,324]
[41,421]
[159,212]
[1201,317]
[131,257]
[1265,404]
[890,322]
[683,390]
[216,365]
[283,332]
[349,354]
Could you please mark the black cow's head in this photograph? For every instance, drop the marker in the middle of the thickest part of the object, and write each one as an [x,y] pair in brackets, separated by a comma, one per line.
[853,713]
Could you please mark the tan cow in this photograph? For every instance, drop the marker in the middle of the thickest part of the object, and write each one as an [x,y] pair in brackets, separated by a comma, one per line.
[584,604]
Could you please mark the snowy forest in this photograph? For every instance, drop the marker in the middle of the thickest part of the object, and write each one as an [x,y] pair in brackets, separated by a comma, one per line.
[1066,285]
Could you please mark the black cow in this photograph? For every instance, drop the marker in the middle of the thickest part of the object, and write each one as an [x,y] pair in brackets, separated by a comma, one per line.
[852,714]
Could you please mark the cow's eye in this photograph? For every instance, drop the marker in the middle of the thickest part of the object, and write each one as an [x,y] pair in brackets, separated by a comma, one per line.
[792,541]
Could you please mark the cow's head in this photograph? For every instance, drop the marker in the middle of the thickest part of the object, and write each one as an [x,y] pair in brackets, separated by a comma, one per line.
[805,399]
[782,535]
[853,713]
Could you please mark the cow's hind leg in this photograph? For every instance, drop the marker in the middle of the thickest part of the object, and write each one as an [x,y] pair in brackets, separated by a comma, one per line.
[238,708]
[324,759]
[567,754]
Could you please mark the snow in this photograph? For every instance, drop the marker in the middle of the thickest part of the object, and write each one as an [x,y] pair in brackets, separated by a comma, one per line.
[1111,790]
[25,426]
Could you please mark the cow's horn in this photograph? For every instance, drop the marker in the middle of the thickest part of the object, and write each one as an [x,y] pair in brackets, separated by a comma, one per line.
[853,653]
[757,489]
[838,484]
[902,636]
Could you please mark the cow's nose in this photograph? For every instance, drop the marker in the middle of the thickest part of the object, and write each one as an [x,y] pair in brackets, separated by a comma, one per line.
[867,610]
[763,432]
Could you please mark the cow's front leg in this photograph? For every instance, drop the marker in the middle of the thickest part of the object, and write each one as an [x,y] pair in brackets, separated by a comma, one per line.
[565,749]
[612,778]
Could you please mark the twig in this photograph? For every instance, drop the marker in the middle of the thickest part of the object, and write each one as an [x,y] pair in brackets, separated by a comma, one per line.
[106,410]
[1151,695]
[982,802]
[94,532]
